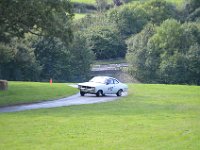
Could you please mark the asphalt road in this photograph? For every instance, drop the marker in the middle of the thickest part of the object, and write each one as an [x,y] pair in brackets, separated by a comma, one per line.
[72,100]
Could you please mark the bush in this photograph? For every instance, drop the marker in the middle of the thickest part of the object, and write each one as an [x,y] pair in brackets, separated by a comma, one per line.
[105,42]
[169,53]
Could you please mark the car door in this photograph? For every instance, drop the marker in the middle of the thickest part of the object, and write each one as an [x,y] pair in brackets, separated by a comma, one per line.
[110,86]
[116,86]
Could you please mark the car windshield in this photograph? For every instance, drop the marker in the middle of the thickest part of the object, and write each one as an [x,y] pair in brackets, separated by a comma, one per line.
[99,80]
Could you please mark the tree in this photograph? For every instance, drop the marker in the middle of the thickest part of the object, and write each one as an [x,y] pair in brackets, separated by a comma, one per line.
[105,42]
[192,5]
[192,10]
[38,17]
[54,58]
[194,64]
[159,11]
[61,62]
[169,55]
[194,15]
[175,40]
[101,5]
[46,19]
[20,62]
[128,19]
[117,2]
[82,57]
[131,19]
[141,66]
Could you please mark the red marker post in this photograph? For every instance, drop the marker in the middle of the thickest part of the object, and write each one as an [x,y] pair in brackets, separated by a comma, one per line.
[51,81]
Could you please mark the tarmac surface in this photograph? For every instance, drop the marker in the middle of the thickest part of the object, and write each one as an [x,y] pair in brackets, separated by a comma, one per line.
[68,101]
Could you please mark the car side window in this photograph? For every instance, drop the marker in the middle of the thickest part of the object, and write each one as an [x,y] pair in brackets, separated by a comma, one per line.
[116,82]
[110,81]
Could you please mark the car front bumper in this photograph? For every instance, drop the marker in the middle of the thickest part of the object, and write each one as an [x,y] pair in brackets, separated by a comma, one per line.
[87,89]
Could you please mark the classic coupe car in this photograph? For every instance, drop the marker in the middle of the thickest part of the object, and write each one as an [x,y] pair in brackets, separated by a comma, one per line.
[101,85]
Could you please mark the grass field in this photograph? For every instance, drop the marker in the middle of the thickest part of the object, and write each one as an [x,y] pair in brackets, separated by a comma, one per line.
[88,1]
[110,61]
[157,117]
[26,92]
[85,1]
[178,2]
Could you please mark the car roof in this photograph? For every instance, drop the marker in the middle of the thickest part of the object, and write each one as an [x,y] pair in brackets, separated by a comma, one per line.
[106,77]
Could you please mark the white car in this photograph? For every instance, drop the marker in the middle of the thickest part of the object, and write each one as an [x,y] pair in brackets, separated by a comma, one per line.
[101,85]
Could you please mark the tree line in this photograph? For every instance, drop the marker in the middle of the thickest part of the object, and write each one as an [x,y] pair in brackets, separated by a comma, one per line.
[37,42]
[159,40]
[168,51]
[40,40]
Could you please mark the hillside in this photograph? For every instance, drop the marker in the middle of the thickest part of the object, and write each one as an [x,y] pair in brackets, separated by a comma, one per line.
[159,41]
[149,35]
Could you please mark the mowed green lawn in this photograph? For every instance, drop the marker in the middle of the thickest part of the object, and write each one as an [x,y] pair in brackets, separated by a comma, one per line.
[27,92]
[157,117]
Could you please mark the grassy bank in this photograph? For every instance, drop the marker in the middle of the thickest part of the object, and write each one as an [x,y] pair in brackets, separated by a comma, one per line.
[151,117]
[27,92]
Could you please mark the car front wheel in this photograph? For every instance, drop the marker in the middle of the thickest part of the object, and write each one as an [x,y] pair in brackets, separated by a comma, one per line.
[99,93]
[82,93]
[119,93]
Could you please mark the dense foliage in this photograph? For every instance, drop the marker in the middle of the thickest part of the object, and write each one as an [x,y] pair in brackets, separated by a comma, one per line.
[38,17]
[159,40]
[108,31]
[131,19]
[36,41]
[169,53]
[105,42]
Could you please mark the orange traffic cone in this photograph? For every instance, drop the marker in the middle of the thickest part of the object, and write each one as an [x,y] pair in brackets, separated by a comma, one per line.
[51,81]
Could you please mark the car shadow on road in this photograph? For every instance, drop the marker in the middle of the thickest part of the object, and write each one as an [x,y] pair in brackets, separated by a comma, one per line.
[107,95]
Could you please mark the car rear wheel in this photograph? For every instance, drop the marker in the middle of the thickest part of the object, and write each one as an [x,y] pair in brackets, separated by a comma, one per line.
[99,93]
[82,93]
[119,93]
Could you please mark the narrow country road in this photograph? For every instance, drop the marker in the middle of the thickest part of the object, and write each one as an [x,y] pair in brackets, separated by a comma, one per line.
[72,100]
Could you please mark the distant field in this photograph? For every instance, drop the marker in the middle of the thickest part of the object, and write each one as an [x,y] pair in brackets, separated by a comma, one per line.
[79,16]
[157,117]
[178,2]
[26,92]
[84,1]
[172,1]
[110,61]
